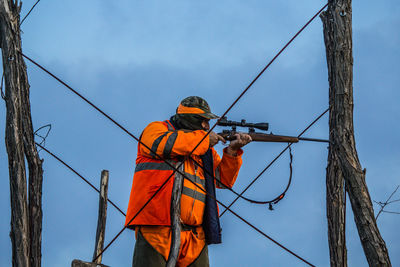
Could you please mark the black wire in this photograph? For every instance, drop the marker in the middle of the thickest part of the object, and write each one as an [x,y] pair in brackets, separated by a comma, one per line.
[43,142]
[383,205]
[280,197]
[274,201]
[78,174]
[262,71]
[22,21]
[392,212]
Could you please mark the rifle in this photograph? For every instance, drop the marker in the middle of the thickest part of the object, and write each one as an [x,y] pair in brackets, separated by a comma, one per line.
[257,136]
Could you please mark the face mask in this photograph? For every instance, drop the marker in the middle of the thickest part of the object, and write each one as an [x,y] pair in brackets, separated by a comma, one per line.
[187,121]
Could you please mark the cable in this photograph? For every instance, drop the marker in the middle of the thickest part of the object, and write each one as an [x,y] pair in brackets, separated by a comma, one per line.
[383,205]
[22,21]
[79,175]
[43,142]
[263,70]
[274,201]
[273,161]
[82,97]
[281,196]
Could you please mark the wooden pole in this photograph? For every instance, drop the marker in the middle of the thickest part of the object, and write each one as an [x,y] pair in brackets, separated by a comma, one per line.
[343,162]
[176,218]
[101,225]
[26,219]
[101,221]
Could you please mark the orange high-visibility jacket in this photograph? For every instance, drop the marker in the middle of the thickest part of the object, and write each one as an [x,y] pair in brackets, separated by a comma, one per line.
[151,172]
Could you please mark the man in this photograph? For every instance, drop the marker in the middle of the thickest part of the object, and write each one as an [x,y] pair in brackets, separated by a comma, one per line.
[179,141]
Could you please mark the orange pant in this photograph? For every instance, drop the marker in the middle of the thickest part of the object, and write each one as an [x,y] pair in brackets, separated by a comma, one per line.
[159,238]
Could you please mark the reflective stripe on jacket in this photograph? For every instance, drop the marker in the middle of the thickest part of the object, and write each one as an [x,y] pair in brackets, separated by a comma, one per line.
[151,172]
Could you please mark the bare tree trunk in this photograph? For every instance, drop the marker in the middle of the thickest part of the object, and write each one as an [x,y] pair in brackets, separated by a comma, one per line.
[26,221]
[14,139]
[343,159]
[35,174]
[335,211]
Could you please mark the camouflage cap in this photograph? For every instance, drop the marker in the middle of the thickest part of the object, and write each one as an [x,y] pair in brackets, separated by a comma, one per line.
[195,105]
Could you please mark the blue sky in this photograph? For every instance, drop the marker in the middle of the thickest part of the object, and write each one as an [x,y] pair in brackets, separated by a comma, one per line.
[138,59]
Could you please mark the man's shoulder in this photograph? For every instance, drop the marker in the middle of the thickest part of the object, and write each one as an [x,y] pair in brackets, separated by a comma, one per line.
[158,124]
[161,125]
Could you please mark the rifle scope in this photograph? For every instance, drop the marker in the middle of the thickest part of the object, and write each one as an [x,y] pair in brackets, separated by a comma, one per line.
[225,122]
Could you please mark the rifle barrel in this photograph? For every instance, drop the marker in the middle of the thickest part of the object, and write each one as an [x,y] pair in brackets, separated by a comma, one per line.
[273,138]
[314,140]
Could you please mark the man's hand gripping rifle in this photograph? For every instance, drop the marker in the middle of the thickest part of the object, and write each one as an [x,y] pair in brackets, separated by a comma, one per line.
[258,136]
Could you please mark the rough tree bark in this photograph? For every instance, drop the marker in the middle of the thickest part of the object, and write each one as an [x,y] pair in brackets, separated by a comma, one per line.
[335,211]
[26,220]
[343,162]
